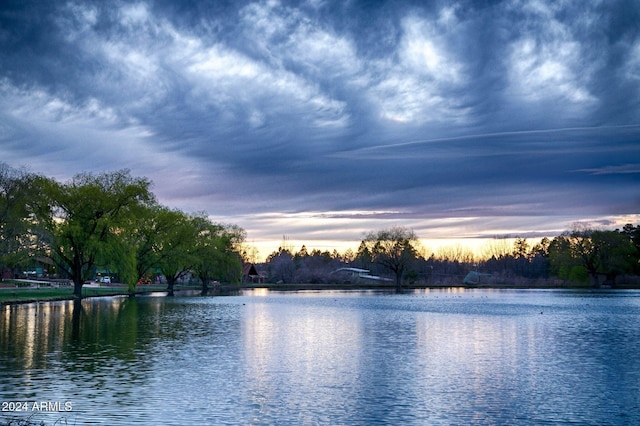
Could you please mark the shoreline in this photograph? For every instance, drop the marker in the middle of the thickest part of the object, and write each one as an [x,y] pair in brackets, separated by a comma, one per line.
[221,290]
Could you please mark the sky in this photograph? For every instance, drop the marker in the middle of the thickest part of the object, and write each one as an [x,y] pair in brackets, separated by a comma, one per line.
[317,121]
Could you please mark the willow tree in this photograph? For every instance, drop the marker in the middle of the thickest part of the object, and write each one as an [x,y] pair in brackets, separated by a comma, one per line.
[216,250]
[145,236]
[395,249]
[83,218]
[16,193]
[175,246]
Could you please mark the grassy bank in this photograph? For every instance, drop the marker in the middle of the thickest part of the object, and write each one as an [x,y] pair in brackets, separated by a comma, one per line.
[45,293]
[30,294]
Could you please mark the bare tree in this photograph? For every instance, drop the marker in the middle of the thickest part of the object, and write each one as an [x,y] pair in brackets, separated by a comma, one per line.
[395,249]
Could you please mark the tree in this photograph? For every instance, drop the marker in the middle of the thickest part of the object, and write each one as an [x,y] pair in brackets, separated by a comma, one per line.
[16,242]
[616,254]
[232,239]
[498,248]
[564,263]
[394,249]
[633,233]
[302,253]
[175,246]
[146,235]
[539,262]
[83,217]
[215,253]
[281,266]
[583,253]
[208,250]
[143,233]
[520,248]
[363,256]
[542,248]
[134,254]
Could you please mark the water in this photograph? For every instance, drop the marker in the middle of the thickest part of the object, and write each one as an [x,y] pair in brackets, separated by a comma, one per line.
[438,357]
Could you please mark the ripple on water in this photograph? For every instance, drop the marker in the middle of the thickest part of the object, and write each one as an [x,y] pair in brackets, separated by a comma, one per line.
[467,357]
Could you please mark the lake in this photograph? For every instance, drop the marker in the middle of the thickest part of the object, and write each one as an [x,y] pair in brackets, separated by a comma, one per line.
[425,357]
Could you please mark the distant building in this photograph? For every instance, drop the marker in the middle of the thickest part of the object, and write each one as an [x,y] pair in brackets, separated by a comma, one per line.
[354,275]
[474,278]
[251,275]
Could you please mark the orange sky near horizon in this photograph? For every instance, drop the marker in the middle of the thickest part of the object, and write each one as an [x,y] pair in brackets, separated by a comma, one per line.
[480,248]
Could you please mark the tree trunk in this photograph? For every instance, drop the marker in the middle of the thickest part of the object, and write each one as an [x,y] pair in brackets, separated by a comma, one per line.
[77,290]
[399,270]
[399,281]
[170,282]
[76,276]
[77,287]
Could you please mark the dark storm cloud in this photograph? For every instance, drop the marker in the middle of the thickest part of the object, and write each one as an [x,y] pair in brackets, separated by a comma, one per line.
[448,109]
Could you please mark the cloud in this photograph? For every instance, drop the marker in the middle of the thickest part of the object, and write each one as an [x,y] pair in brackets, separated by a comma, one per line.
[416,84]
[336,116]
[614,170]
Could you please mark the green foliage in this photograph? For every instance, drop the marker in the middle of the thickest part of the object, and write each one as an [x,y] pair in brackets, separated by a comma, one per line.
[578,274]
[110,221]
[86,218]
[616,253]
[633,235]
[146,235]
[215,251]
[174,247]
[16,194]
[120,256]
[561,257]
[583,253]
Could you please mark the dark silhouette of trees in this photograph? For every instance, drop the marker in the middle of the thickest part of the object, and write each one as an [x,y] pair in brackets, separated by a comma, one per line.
[302,267]
[395,249]
[281,266]
[519,260]
[511,262]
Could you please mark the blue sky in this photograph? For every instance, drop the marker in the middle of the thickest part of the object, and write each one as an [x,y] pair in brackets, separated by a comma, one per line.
[321,120]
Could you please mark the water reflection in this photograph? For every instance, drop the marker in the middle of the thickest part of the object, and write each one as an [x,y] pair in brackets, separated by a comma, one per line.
[74,351]
[260,357]
[305,349]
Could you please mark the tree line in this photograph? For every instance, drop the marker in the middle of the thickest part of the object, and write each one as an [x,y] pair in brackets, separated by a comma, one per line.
[111,221]
[114,222]
[580,256]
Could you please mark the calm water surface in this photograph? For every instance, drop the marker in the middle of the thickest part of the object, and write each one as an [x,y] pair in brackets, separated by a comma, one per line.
[435,357]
